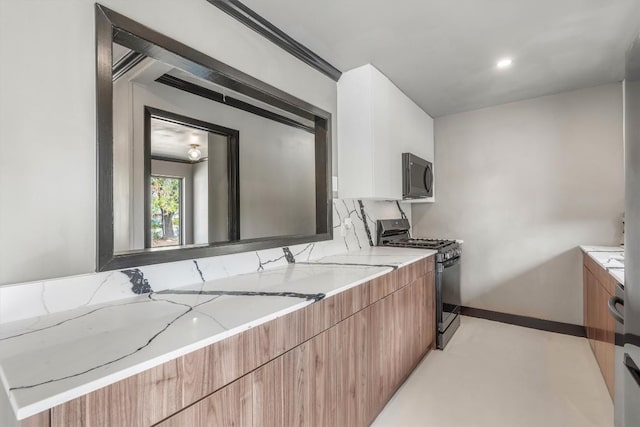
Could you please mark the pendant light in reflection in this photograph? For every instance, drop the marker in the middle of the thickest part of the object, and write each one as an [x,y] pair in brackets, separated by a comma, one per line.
[194,153]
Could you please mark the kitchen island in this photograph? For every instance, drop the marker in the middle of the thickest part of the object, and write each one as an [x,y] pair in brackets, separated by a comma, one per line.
[156,356]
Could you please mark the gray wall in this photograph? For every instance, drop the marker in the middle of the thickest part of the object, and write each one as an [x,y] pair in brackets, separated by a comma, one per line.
[47,204]
[524,184]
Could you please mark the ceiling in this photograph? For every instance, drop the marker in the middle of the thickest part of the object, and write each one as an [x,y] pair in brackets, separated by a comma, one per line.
[173,140]
[442,54]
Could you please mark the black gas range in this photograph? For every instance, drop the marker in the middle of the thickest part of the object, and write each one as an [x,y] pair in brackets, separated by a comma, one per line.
[395,233]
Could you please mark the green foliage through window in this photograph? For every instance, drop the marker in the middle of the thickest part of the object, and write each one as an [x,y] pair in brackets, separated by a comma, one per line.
[166,204]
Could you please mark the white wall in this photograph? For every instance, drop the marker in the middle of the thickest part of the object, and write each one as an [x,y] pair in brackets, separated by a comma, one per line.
[524,184]
[47,204]
[218,200]
[201,200]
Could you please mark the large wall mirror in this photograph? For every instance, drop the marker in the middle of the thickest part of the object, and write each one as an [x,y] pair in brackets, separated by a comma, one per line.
[198,159]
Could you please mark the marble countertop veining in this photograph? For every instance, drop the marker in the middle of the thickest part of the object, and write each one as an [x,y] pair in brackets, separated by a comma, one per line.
[48,360]
[611,258]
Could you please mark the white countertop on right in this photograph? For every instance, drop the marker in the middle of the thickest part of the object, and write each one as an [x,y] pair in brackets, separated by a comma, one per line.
[611,258]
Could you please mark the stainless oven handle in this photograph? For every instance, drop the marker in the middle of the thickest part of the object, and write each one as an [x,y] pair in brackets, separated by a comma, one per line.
[451,262]
[613,310]
[632,368]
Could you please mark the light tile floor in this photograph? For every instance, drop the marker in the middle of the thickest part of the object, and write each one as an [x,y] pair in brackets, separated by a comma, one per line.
[493,374]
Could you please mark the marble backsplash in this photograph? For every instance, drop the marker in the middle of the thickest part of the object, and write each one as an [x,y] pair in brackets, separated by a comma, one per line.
[26,300]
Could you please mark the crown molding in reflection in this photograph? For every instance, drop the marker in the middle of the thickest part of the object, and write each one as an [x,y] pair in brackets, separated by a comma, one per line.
[212,95]
[126,63]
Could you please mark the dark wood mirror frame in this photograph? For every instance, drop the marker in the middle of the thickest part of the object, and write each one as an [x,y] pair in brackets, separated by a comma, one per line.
[112,27]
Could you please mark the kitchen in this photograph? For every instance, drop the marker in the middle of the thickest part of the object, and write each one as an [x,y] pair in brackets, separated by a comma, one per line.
[283,252]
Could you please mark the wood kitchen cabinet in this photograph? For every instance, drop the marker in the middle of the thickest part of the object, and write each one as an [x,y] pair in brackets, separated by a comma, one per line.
[599,286]
[352,394]
[396,339]
[345,376]
[335,362]
[377,122]
[297,388]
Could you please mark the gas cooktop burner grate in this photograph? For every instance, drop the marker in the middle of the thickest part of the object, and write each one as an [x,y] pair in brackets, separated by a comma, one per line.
[395,233]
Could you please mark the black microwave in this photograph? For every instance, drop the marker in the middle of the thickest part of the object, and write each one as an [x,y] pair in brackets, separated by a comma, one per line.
[417,177]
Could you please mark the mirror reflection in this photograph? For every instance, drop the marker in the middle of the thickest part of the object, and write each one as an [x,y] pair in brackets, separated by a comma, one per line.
[195,163]
[188,196]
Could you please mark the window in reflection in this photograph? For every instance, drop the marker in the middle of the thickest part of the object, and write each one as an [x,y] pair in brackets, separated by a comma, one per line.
[166,211]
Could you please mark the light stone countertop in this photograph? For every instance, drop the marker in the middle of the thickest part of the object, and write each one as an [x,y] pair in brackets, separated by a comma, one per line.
[48,360]
[609,258]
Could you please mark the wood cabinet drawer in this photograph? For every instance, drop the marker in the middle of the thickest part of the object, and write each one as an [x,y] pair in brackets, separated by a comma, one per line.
[411,272]
[389,283]
[430,263]
[230,406]
[43,419]
[335,308]
[382,286]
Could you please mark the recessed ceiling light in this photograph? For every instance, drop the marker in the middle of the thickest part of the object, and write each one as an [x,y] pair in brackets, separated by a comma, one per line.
[504,63]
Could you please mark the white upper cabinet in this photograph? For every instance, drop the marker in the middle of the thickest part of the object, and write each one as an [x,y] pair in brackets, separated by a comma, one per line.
[376,124]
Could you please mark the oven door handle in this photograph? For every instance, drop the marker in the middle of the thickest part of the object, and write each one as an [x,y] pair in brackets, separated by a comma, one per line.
[613,310]
[451,262]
